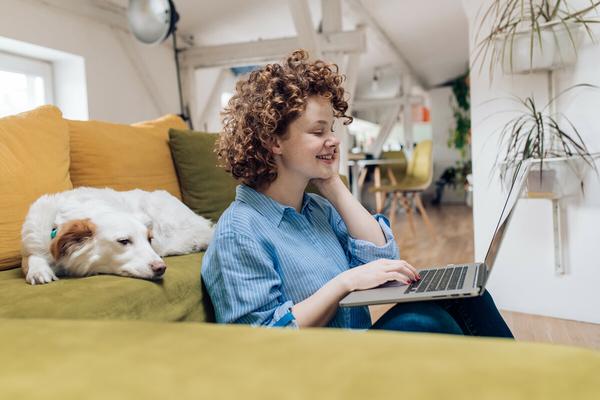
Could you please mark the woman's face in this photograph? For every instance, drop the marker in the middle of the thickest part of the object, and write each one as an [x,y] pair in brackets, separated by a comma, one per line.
[310,148]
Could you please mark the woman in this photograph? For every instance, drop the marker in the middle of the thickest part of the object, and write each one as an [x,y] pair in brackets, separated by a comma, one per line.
[281,257]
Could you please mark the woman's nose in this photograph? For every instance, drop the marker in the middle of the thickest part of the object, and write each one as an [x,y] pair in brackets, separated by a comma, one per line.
[332,141]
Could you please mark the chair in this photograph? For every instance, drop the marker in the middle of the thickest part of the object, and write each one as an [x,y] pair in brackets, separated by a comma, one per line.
[394,173]
[407,188]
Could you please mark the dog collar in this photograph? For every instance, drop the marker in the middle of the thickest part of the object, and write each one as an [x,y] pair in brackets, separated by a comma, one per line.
[53,233]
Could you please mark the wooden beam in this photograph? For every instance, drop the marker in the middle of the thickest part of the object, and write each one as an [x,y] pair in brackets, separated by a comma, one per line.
[407,120]
[366,104]
[351,72]
[214,96]
[263,51]
[307,36]
[385,131]
[405,65]
[331,11]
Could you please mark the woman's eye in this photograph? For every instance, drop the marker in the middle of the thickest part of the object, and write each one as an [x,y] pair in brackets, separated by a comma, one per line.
[124,242]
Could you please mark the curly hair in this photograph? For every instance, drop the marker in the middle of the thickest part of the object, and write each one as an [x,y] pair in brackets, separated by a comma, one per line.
[263,106]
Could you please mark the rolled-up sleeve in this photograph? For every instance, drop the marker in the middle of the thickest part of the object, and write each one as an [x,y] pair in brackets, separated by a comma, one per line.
[243,284]
[360,252]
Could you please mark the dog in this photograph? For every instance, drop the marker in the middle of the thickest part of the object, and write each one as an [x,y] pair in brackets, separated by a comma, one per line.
[89,231]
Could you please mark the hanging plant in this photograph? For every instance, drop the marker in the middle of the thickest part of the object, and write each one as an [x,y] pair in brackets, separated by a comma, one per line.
[544,33]
[460,135]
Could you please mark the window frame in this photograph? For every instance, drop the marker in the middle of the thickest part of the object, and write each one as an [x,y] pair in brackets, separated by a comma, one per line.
[30,66]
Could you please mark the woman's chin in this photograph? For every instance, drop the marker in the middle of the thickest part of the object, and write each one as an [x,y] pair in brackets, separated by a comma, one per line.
[325,176]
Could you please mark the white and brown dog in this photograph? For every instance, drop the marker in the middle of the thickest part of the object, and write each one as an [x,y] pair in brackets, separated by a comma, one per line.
[89,231]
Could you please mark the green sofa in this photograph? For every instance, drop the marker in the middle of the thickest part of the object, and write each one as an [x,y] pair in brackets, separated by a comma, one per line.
[109,337]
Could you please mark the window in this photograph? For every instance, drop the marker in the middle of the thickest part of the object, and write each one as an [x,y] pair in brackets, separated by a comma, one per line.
[25,83]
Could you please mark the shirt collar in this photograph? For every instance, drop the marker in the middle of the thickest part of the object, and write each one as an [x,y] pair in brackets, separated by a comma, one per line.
[265,205]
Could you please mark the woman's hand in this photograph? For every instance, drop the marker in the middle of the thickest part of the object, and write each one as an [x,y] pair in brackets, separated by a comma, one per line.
[330,187]
[377,273]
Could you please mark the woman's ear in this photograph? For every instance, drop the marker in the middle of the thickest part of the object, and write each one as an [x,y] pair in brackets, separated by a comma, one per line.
[276,146]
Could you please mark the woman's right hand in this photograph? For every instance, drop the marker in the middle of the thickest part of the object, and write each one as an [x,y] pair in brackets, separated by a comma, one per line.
[377,273]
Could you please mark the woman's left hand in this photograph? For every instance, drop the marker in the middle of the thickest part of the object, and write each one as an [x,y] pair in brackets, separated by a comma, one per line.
[331,186]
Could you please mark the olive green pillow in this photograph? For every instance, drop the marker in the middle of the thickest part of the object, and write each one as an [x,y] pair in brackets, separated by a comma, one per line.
[205,188]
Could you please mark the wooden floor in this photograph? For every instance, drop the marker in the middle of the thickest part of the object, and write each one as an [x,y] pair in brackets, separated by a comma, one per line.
[454,244]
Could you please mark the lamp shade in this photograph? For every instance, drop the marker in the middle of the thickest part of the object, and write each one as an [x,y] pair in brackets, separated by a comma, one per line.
[152,21]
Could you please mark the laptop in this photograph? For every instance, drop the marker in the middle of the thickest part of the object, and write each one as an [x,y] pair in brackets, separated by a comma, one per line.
[450,281]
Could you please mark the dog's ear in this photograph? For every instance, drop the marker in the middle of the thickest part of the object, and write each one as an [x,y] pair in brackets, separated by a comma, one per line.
[71,236]
[144,219]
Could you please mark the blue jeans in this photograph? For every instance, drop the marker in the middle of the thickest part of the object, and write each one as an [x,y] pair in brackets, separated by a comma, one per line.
[473,316]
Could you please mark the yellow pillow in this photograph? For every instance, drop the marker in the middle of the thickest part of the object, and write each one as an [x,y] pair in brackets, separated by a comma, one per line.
[34,160]
[124,157]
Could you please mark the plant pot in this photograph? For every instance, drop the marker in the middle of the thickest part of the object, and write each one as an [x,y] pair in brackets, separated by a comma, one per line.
[555,50]
[560,177]
[542,183]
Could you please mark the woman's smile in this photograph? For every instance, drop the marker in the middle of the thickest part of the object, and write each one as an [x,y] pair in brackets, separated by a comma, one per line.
[327,158]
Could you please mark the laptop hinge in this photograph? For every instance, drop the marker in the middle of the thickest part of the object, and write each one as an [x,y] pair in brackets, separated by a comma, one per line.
[481,275]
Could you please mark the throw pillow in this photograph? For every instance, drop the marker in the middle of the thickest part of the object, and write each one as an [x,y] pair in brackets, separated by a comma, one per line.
[34,160]
[206,188]
[124,157]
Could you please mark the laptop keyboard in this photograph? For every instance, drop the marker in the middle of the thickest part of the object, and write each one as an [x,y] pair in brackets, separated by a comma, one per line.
[435,280]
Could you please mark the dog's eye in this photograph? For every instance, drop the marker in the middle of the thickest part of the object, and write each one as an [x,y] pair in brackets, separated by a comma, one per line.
[124,242]
[150,239]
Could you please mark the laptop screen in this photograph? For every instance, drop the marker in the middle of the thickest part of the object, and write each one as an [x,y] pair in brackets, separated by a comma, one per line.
[514,192]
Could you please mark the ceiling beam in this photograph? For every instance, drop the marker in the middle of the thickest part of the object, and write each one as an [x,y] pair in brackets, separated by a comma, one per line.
[263,51]
[365,104]
[216,89]
[405,65]
[385,131]
[331,11]
[307,36]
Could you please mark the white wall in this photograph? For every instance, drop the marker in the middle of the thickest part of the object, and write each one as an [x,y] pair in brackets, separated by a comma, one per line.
[527,253]
[442,121]
[115,90]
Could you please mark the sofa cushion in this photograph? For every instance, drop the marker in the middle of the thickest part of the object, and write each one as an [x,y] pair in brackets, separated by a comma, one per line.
[124,157]
[34,160]
[177,297]
[206,188]
[156,360]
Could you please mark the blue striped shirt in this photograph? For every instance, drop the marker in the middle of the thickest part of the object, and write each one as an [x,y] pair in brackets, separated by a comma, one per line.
[265,257]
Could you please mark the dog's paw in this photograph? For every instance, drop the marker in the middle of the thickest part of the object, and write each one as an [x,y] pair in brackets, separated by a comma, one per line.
[40,276]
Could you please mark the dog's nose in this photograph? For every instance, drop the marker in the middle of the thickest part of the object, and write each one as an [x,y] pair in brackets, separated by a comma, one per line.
[158,267]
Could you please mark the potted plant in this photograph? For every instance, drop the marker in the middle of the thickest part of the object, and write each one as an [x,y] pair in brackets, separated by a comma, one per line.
[551,141]
[454,177]
[532,35]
